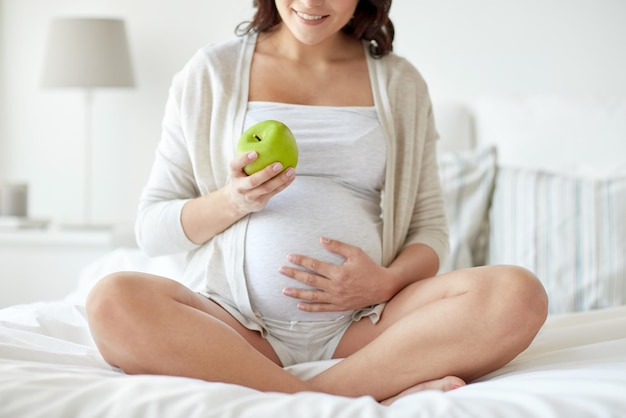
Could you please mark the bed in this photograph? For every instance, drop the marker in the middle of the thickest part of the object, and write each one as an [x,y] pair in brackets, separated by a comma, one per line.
[506,202]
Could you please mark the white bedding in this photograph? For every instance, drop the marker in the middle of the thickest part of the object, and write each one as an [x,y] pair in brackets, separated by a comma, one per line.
[49,367]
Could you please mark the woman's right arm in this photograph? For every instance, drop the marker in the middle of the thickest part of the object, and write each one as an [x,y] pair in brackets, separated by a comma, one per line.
[171,184]
[205,217]
[174,216]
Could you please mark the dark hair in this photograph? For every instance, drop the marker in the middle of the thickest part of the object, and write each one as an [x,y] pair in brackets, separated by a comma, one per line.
[370,23]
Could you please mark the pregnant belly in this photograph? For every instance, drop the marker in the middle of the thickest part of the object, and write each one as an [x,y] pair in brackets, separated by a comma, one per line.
[293,223]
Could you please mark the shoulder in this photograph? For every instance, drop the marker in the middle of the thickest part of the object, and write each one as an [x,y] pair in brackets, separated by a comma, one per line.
[402,83]
[397,69]
[217,60]
[217,56]
[224,52]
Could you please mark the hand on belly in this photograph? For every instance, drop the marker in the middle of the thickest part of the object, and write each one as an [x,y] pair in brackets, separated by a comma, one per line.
[356,283]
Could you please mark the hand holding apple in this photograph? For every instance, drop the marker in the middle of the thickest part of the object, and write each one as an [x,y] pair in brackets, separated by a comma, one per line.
[273,141]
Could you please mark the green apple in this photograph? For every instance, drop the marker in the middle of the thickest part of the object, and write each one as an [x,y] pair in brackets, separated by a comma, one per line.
[273,141]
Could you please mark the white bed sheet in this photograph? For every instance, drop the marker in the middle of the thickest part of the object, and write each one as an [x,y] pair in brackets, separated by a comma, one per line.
[49,367]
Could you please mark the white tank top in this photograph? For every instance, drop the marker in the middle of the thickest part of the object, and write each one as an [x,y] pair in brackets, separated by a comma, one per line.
[336,194]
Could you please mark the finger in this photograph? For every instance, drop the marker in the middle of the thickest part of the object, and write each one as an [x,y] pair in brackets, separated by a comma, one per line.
[305,277]
[338,247]
[262,176]
[268,181]
[240,161]
[312,264]
[285,179]
[310,296]
[317,307]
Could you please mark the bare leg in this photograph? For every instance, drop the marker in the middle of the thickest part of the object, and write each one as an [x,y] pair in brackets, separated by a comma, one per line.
[444,384]
[465,324]
[148,324]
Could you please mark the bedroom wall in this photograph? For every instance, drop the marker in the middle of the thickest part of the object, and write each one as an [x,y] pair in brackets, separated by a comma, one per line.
[467,49]
[2,95]
[464,50]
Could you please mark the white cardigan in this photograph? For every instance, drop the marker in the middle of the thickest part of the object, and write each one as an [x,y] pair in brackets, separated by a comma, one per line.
[203,120]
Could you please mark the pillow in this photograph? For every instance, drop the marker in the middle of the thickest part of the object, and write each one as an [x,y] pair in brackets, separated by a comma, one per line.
[467,179]
[569,231]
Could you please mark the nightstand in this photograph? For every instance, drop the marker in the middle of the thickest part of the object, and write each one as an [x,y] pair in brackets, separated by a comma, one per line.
[44,264]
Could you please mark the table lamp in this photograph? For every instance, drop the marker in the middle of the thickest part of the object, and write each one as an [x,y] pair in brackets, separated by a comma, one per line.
[87,53]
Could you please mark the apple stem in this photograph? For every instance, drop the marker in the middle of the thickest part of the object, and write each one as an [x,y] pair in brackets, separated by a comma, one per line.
[257,137]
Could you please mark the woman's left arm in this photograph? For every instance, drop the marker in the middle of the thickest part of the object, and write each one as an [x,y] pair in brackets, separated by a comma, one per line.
[360,281]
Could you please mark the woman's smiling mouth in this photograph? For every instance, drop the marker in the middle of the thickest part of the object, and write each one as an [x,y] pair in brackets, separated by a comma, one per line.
[308,17]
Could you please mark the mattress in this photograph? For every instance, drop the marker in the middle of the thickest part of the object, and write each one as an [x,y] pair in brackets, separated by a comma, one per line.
[50,367]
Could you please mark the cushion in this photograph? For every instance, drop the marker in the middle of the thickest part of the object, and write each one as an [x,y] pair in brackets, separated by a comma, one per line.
[569,231]
[467,179]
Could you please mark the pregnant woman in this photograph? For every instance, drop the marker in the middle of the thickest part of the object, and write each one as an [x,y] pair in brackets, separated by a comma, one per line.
[334,259]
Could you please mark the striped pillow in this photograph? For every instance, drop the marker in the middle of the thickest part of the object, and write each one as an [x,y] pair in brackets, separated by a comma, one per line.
[467,179]
[569,231]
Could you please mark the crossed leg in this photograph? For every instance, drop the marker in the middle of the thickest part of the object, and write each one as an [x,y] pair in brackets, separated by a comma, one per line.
[463,324]
[440,332]
[147,324]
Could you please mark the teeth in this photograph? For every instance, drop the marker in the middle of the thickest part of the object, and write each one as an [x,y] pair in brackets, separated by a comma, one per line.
[308,17]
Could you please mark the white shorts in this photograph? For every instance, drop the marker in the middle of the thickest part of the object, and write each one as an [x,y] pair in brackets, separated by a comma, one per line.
[301,341]
[298,342]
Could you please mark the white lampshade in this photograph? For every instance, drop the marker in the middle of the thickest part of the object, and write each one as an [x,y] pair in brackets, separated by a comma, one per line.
[87,53]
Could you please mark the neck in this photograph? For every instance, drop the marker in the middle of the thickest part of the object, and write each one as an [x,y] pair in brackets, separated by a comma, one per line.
[335,48]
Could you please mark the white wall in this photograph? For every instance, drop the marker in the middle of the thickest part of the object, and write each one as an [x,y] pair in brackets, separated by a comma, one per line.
[464,49]
[471,48]
[2,94]
[41,135]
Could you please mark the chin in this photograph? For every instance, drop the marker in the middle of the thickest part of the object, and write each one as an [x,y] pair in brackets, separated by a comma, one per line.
[309,39]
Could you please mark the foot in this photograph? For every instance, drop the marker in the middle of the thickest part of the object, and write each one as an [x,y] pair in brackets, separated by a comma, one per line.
[445,384]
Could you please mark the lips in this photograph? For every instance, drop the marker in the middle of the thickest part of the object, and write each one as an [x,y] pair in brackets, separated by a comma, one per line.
[308,17]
